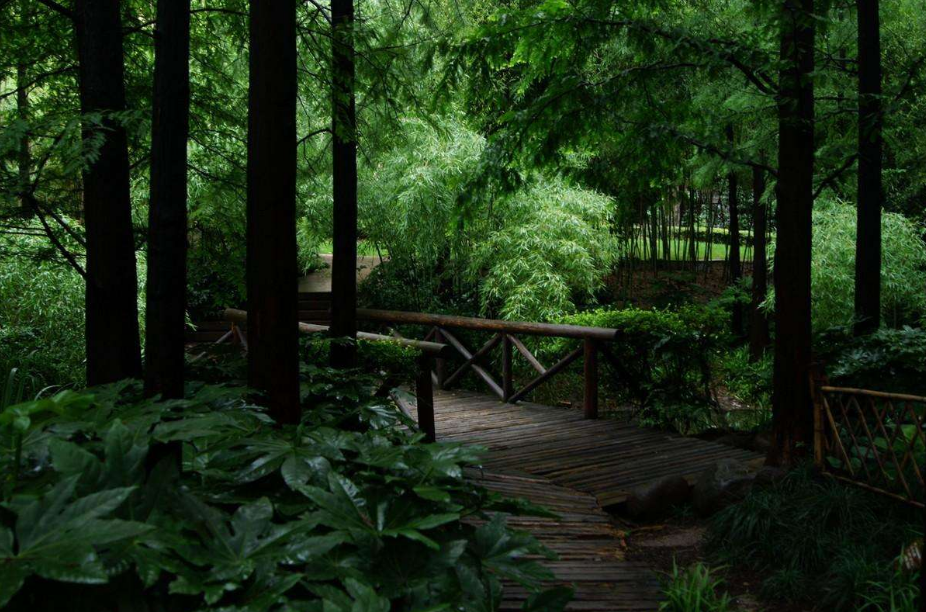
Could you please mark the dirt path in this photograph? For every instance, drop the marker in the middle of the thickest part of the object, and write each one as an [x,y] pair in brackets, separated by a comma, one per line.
[319,281]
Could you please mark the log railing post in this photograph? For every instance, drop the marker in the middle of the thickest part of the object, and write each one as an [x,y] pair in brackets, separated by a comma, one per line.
[817,380]
[507,382]
[590,404]
[440,364]
[424,396]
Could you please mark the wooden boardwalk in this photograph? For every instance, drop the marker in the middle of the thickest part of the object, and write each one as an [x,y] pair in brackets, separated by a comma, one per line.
[575,467]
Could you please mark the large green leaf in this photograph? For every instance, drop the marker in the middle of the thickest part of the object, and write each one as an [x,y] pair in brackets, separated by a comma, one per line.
[60,537]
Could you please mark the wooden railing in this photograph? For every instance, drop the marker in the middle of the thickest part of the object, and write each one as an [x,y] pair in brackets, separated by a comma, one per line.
[505,335]
[440,345]
[428,353]
[872,439]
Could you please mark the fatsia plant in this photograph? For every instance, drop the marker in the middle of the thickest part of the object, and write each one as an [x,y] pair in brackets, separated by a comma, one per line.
[206,504]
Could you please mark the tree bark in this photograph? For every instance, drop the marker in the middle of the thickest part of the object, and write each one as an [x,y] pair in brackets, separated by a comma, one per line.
[736,271]
[273,350]
[113,346]
[792,419]
[24,157]
[870,193]
[758,328]
[343,127]
[167,207]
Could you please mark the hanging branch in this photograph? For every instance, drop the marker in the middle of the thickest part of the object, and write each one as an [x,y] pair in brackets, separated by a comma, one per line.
[68,256]
[61,10]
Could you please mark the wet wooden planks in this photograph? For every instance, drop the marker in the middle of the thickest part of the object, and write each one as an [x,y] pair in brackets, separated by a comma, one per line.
[590,548]
[604,458]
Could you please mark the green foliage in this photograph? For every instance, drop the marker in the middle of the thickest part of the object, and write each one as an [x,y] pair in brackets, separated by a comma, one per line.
[892,360]
[553,244]
[528,254]
[694,589]
[392,362]
[817,540]
[41,313]
[903,267]
[750,381]
[899,593]
[662,361]
[206,504]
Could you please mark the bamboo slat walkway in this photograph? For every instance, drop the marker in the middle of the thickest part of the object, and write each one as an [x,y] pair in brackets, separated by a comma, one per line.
[574,467]
[589,547]
[603,457]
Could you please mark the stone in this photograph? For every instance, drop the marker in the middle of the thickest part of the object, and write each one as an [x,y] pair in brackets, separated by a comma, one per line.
[724,483]
[655,500]
[762,441]
[769,475]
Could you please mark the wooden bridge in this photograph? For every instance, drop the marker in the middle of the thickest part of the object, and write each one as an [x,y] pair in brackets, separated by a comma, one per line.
[562,458]
[576,467]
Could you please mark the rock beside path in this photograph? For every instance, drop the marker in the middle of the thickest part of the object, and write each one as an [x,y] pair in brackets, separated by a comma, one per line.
[656,499]
[724,483]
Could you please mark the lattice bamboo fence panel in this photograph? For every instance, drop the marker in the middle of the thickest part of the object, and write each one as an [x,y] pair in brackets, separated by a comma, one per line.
[872,439]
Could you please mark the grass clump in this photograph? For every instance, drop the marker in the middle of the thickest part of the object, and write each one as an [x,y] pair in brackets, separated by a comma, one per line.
[694,589]
[816,539]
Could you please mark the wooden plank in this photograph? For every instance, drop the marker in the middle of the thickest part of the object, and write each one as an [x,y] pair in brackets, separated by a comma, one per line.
[483,374]
[473,323]
[525,352]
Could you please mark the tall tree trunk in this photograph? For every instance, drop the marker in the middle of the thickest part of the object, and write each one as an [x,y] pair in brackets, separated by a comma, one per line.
[791,405]
[758,328]
[870,194]
[24,157]
[167,207]
[343,126]
[736,271]
[113,346]
[273,349]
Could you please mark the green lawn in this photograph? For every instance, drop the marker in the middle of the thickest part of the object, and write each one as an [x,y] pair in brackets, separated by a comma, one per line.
[364,248]
[677,250]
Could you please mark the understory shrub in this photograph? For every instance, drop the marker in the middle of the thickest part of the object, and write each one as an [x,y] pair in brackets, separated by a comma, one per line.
[818,540]
[659,363]
[749,381]
[207,504]
[41,312]
[903,267]
[892,360]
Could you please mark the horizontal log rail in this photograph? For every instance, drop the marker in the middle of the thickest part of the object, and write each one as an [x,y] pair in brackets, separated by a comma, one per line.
[556,330]
[428,352]
[442,329]
[872,439]
[434,349]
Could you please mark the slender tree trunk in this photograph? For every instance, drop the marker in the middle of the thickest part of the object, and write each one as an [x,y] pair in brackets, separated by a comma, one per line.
[24,157]
[343,126]
[758,329]
[113,346]
[870,194]
[167,207]
[653,237]
[692,242]
[664,221]
[709,247]
[273,350]
[792,411]
[736,271]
